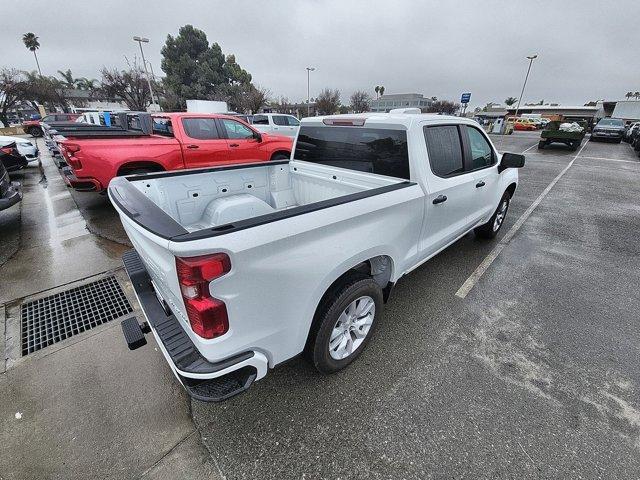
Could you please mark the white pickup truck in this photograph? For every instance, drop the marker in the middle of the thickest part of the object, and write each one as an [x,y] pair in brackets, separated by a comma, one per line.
[240,268]
[276,123]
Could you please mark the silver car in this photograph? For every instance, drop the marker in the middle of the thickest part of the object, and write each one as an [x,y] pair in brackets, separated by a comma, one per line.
[26,148]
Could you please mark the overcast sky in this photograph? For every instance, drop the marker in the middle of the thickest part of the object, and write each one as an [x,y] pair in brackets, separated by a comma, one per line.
[586,49]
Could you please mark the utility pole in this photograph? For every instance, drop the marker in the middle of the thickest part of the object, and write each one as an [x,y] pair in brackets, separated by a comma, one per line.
[140,41]
[309,70]
[531,59]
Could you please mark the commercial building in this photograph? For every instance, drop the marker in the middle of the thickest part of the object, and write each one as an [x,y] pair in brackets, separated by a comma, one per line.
[399,100]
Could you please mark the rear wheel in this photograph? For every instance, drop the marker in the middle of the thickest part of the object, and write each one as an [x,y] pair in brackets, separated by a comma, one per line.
[493,226]
[35,131]
[345,323]
[541,144]
[280,156]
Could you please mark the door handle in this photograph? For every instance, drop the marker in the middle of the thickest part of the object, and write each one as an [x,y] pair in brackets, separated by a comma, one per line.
[234,144]
[480,184]
[192,146]
[439,199]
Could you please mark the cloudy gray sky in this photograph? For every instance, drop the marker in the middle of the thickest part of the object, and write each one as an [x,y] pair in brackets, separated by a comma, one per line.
[587,49]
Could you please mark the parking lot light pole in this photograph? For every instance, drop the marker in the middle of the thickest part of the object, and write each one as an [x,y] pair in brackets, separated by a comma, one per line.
[531,59]
[309,70]
[140,41]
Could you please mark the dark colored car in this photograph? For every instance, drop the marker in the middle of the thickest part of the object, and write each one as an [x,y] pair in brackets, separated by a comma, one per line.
[609,129]
[11,158]
[10,193]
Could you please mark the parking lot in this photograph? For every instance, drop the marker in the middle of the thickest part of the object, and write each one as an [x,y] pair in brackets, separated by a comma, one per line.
[526,367]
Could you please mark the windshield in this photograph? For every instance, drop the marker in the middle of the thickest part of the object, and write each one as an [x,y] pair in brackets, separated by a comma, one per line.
[373,150]
[611,122]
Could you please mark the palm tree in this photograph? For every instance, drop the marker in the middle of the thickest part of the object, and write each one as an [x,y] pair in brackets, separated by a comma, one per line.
[377,89]
[84,83]
[510,101]
[636,95]
[629,95]
[67,76]
[30,41]
[381,90]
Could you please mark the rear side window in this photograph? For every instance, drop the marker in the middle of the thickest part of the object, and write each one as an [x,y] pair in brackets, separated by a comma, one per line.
[285,121]
[445,150]
[260,120]
[162,126]
[200,128]
[481,152]
[372,150]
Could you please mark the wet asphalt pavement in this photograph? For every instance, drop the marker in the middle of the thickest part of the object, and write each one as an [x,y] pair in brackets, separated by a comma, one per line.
[534,374]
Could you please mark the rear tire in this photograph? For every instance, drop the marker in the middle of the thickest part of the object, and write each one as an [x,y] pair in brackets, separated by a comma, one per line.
[492,227]
[35,132]
[280,156]
[346,316]
[541,144]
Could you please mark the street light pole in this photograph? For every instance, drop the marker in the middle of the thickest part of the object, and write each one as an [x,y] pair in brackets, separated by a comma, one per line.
[140,41]
[531,59]
[309,70]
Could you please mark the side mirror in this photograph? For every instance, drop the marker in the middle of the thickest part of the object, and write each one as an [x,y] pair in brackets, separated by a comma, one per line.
[511,160]
[257,136]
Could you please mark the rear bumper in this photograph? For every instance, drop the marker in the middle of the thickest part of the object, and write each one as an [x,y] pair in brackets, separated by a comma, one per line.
[80,184]
[12,196]
[611,135]
[203,380]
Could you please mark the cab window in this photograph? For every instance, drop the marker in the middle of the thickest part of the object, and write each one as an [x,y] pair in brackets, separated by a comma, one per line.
[200,128]
[444,146]
[236,130]
[260,120]
[481,152]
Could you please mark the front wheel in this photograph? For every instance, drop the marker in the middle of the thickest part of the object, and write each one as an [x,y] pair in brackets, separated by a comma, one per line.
[35,132]
[345,324]
[493,226]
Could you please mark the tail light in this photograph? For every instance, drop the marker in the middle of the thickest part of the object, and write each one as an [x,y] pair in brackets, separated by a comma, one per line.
[7,150]
[207,315]
[71,149]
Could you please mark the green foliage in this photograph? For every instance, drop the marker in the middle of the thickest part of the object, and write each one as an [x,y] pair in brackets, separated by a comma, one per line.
[443,106]
[510,101]
[328,101]
[360,101]
[196,70]
[30,41]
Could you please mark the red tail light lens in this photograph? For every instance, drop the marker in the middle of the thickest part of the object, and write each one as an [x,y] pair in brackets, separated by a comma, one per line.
[72,147]
[207,315]
[7,150]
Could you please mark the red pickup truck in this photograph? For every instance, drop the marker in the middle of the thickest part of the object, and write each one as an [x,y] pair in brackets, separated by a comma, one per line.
[176,141]
[34,127]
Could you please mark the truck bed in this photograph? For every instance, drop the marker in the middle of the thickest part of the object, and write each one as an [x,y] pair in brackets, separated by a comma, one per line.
[192,204]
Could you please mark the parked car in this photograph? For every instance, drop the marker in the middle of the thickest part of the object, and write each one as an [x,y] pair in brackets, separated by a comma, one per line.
[629,131]
[523,124]
[11,158]
[276,123]
[177,141]
[240,268]
[245,118]
[608,129]
[26,148]
[33,127]
[10,193]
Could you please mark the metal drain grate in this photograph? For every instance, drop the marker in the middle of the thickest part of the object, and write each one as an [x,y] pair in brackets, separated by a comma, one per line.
[52,319]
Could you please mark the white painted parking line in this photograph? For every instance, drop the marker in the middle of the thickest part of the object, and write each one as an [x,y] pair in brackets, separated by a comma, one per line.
[525,151]
[612,159]
[470,282]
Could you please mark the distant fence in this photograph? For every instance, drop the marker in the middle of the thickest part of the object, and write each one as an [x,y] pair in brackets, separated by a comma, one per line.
[11,131]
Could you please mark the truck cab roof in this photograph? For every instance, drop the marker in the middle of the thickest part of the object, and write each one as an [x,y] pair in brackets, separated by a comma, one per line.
[380,119]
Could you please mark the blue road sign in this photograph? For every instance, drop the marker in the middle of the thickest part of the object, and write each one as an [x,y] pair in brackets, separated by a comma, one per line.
[465,98]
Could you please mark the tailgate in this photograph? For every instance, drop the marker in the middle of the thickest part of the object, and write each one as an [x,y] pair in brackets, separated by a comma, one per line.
[151,247]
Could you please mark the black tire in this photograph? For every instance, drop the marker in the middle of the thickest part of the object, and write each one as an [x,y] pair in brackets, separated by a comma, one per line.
[541,144]
[35,132]
[619,140]
[280,156]
[487,230]
[332,306]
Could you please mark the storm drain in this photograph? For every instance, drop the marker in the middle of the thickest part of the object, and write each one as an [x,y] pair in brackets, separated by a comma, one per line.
[55,318]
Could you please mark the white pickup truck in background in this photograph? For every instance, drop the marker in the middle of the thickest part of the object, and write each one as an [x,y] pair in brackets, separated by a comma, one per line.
[276,123]
[240,268]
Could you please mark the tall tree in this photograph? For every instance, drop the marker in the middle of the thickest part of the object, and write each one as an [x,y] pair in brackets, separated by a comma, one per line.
[629,95]
[12,89]
[30,41]
[360,101]
[89,84]
[636,95]
[377,90]
[381,90]
[196,70]
[328,101]
[131,85]
[510,101]
[256,98]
